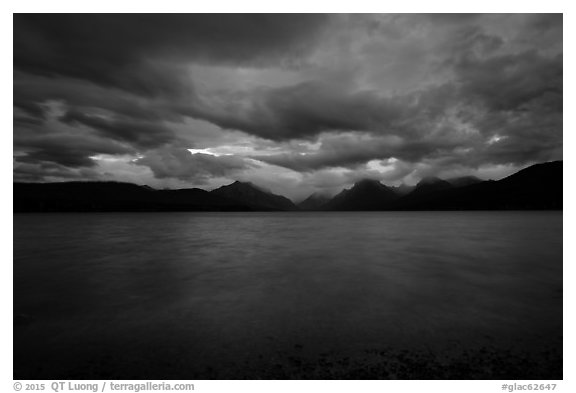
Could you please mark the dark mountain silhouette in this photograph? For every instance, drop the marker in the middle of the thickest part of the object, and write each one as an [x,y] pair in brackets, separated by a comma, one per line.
[81,196]
[113,196]
[430,184]
[464,181]
[402,189]
[364,195]
[314,202]
[425,187]
[538,187]
[534,188]
[254,197]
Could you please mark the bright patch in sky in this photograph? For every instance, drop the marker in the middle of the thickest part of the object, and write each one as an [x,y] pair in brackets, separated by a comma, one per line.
[381,166]
[204,151]
[495,139]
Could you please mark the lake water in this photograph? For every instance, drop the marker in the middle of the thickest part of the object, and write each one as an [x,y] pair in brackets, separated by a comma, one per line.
[288,295]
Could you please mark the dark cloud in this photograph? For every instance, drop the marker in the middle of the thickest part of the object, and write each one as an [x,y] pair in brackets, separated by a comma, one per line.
[516,99]
[433,92]
[64,149]
[524,81]
[128,51]
[124,76]
[181,164]
[35,172]
[300,111]
[355,149]
[31,92]
[308,109]
[139,133]
[33,109]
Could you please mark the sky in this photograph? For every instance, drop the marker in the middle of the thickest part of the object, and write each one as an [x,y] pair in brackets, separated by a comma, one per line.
[295,103]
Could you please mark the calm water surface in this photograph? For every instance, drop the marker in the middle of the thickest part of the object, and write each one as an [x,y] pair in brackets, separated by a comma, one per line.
[205,291]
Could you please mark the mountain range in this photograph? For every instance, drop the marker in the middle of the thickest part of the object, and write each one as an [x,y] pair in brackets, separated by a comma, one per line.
[538,187]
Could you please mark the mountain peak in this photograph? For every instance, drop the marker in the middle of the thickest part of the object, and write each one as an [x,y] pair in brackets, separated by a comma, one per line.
[430,180]
[463,181]
[366,194]
[241,183]
[538,187]
[430,184]
[315,201]
[254,196]
[368,184]
[248,185]
[368,181]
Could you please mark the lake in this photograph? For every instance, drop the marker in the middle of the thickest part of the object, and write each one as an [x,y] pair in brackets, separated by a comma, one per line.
[288,295]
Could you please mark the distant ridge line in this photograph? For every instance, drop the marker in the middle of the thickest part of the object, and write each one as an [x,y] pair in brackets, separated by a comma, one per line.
[538,187]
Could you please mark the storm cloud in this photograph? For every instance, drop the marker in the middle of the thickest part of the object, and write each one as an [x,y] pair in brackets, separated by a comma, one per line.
[180,164]
[295,100]
[128,51]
